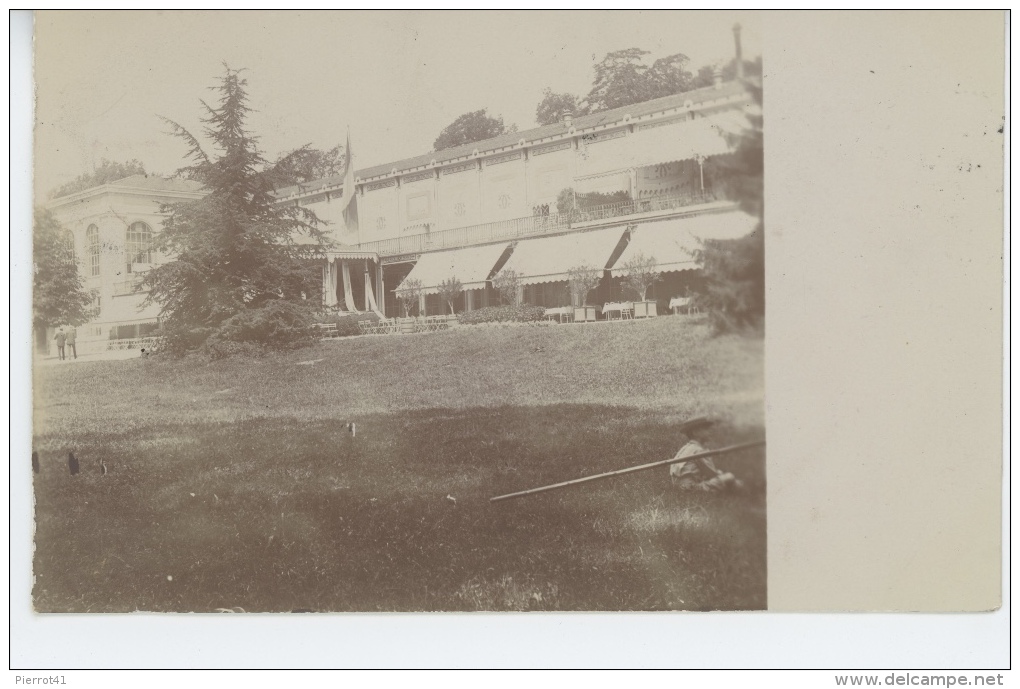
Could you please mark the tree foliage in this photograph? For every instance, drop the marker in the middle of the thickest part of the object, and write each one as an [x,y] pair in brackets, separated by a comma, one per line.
[107,171]
[553,105]
[734,270]
[308,164]
[449,290]
[471,127]
[508,284]
[59,296]
[623,78]
[582,280]
[235,250]
[409,295]
[642,272]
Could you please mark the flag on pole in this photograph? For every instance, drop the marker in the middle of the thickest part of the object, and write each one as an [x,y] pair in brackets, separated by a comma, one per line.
[348,207]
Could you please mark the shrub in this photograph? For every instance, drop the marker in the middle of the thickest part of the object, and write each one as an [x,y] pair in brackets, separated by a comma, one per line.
[347,324]
[503,314]
[218,348]
[276,325]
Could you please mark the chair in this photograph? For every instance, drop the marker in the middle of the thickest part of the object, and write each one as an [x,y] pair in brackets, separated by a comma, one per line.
[627,310]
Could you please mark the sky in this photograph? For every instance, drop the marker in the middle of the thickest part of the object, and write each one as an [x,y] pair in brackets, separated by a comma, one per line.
[396,79]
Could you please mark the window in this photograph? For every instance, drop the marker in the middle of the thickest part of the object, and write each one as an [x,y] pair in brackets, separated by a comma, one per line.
[69,245]
[138,247]
[92,248]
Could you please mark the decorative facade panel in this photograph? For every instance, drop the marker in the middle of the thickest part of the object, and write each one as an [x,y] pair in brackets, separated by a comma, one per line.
[503,159]
[381,185]
[542,150]
[463,167]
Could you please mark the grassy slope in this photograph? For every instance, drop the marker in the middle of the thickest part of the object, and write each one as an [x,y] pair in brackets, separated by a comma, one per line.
[291,512]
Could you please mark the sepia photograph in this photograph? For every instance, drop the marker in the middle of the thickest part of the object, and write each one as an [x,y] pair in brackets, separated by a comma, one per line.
[398,312]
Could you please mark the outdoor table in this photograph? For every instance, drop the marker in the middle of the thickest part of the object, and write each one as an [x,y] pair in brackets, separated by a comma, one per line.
[563,314]
[677,303]
[622,309]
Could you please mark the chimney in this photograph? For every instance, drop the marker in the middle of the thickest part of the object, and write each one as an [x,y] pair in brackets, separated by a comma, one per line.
[740,52]
[568,119]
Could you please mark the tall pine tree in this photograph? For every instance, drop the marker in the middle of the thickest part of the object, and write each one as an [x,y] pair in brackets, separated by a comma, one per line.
[243,267]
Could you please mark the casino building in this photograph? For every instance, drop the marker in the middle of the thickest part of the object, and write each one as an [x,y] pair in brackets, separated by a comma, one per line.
[594,190]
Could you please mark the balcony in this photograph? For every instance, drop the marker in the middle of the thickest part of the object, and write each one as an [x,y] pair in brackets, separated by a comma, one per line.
[126,287]
[536,225]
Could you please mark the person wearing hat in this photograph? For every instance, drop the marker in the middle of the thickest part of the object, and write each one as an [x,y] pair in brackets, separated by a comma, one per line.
[61,338]
[699,474]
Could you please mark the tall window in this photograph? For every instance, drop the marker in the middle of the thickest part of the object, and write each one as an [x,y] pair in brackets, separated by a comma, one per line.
[92,248]
[138,248]
[69,245]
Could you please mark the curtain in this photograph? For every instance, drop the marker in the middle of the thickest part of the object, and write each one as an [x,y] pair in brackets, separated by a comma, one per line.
[371,305]
[348,296]
[329,283]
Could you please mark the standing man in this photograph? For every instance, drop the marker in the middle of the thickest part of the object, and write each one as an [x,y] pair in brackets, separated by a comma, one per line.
[71,335]
[61,338]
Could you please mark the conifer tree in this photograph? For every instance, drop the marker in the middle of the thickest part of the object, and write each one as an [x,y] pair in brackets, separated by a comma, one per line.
[242,267]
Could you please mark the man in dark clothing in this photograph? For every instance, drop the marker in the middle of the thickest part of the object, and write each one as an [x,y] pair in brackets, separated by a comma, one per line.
[61,338]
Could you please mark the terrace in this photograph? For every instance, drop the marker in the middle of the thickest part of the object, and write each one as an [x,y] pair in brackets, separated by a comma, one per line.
[401,248]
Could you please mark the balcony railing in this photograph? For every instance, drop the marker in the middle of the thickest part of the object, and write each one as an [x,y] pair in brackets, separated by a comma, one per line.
[531,225]
[125,287]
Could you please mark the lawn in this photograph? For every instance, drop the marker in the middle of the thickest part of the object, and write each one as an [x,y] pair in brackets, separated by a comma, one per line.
[235,483]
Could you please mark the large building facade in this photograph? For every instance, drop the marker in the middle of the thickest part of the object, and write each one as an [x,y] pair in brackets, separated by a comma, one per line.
[595,190]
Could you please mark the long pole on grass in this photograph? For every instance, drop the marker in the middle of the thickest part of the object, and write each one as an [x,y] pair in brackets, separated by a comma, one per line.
[628,470]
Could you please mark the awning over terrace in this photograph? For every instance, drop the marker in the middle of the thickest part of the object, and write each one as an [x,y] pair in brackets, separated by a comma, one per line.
[548,259]
[471,265]
[683,141]
[673,242]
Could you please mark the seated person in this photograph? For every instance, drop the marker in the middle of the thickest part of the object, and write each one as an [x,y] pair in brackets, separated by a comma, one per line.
[699,474]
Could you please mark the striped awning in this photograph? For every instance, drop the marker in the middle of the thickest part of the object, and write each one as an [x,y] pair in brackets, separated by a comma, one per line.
[471,265]
[684,141]
[550,258]
[352,255]
[673,242]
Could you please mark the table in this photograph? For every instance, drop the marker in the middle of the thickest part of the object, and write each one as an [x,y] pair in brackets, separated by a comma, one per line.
[563,314]
[623,309]
[677,303]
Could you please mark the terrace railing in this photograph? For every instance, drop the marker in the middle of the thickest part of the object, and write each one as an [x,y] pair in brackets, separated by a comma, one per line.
[531,225]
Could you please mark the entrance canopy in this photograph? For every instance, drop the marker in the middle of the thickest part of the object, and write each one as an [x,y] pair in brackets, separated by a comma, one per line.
[471,265]
[673,242]
[550,258]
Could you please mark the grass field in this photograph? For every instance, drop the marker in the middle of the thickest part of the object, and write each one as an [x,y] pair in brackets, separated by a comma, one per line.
[235,484]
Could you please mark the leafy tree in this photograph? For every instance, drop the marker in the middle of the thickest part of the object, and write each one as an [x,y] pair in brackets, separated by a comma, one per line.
[553,105]
[235,250]
[642,272]
[107,171]
[471,127]
[508,284]
[409,295]
[59,296]
[583,279]
[309,164]
[449,290]
[669,75]
[619,80]
[734,270]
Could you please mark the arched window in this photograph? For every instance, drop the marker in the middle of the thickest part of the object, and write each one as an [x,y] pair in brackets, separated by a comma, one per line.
[69,245]
[138,247]
[92,248]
